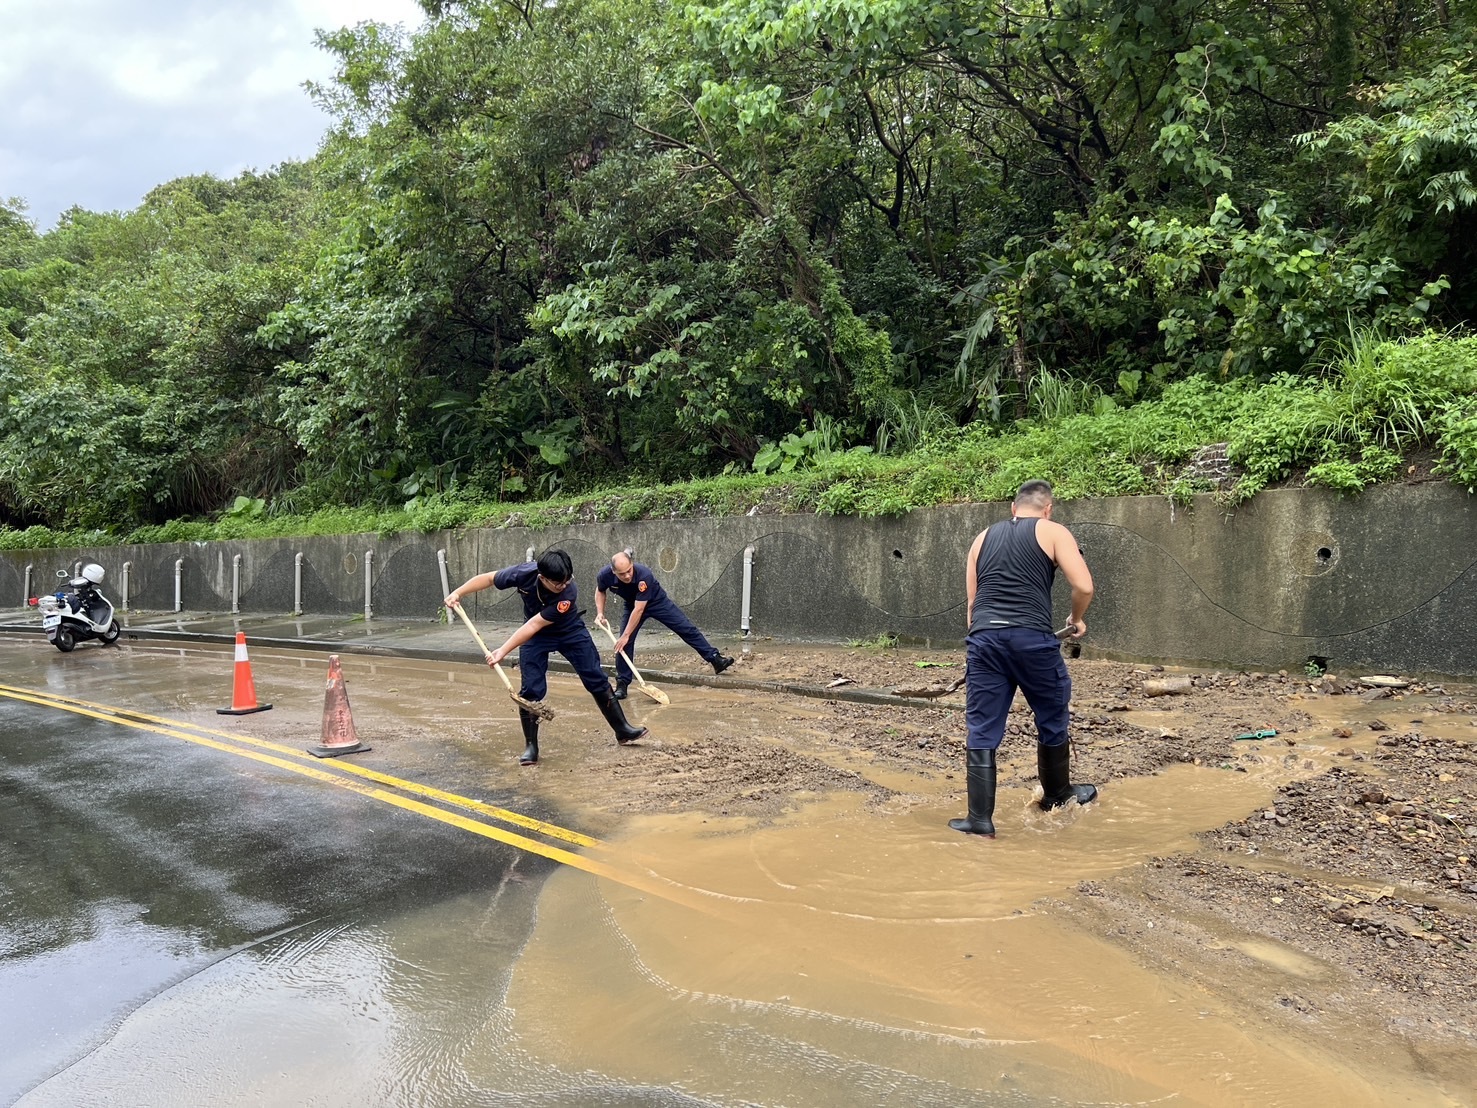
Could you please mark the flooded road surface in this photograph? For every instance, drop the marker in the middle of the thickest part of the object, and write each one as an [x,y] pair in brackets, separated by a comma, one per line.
[193,911]
[145,879]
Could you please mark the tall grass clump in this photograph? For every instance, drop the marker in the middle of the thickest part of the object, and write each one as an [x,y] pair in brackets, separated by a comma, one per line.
[1349,427]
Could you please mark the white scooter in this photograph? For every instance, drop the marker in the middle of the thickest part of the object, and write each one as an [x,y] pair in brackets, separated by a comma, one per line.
[78,612]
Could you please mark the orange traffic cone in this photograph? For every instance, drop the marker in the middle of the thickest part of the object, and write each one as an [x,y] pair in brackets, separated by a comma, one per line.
[243,695]
[339,736]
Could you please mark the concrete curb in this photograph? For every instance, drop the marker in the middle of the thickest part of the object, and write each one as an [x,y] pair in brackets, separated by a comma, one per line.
[557,665]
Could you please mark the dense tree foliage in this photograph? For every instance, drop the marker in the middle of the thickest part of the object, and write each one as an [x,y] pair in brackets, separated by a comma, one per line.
[585,242]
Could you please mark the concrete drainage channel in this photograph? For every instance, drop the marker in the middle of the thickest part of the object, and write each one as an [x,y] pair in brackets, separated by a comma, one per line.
[556,664]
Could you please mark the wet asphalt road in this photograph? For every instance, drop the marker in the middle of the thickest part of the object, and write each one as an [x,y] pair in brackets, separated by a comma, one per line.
[185,923]
[131,861]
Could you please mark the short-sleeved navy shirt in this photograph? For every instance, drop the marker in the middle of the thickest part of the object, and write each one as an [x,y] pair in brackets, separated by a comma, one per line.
[561,609]
[642,586]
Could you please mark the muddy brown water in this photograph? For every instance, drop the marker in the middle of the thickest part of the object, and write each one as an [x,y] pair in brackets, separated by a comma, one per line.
[871,943]
[849,950]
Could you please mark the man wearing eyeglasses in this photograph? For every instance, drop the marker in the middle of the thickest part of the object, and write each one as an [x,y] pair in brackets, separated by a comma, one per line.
[553,623]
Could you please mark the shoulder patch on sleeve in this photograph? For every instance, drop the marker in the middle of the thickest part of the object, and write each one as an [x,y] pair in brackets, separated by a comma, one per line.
[641,587]
[563,606]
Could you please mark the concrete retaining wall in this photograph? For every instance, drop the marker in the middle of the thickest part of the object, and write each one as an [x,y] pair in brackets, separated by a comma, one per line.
[1381,581]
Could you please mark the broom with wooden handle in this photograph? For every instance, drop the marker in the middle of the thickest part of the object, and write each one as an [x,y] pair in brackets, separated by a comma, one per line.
[650,690]
[543,711]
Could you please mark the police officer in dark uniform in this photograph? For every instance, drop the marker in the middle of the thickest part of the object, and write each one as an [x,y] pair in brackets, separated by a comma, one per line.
[646,599]
[555,623]
[1008,578]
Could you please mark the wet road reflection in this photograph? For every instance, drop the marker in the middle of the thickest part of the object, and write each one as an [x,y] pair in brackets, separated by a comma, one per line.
[180,925]
[137,868]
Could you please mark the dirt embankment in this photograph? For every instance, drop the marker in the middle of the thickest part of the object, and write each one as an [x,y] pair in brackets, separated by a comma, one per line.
[1364,870]
[1349,901]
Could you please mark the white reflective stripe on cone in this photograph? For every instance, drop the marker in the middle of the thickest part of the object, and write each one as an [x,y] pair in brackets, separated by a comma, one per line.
[240,652]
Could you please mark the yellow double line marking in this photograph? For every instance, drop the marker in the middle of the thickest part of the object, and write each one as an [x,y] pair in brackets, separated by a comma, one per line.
[356,779]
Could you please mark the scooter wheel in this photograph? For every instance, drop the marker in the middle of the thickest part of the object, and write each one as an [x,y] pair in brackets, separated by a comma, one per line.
[65,640]
[110,636]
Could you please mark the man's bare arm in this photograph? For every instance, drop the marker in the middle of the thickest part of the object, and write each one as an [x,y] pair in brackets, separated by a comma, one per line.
[638,613]
[971,581]
[1068,557]
[532,627]
[476,583]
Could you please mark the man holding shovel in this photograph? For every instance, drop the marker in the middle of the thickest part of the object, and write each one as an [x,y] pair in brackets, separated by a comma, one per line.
[554,623]
[646,599]
[1008,578]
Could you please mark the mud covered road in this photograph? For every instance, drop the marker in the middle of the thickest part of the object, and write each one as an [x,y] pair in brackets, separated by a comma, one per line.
[1347,905]
[1298,909]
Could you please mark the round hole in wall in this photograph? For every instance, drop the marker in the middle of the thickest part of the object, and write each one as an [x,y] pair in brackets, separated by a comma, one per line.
[1312,553]
[668,559]
[350,563]
[897,553]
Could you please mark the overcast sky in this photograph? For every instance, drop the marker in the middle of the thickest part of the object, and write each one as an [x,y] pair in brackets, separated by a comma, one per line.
[101,100]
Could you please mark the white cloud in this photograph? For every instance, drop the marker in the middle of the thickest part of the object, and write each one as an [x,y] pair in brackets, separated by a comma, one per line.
[105,99]
[161,74]
[341,13]
[278,74]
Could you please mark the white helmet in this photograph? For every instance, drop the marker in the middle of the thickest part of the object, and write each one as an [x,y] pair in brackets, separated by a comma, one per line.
[94,573]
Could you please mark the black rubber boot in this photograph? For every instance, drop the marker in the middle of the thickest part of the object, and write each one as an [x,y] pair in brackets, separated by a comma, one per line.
[1054,767]
[530,737]
[980,778]
[611,710]
[620,689]
[720,662]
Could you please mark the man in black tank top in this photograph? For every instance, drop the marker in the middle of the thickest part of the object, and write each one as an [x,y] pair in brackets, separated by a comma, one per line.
[1010,645]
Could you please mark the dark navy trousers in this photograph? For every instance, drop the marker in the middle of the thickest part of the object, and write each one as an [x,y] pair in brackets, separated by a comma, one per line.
[669,615]
[576,645]
[1003,659]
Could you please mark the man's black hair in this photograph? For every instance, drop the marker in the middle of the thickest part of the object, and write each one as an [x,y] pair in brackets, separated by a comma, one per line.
[556,565]
[1035,492]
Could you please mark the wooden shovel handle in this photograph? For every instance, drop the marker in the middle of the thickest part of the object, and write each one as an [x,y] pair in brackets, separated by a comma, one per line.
[485,652]
[639,679]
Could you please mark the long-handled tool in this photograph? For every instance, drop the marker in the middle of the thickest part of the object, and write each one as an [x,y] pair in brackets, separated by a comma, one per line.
[543,711]
[650,690]
[1070,646]
[930,691]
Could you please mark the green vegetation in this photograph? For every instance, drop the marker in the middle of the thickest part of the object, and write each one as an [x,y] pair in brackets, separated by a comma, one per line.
[1345,429]
[613,259]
